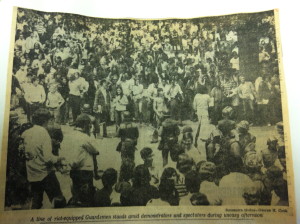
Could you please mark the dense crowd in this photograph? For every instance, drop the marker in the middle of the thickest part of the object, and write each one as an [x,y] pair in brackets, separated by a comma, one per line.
[77,71]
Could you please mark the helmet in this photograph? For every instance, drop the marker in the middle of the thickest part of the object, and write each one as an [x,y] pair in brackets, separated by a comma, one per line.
[86,108]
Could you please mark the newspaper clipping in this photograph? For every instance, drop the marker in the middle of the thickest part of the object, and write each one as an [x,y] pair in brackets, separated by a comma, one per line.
[117,120]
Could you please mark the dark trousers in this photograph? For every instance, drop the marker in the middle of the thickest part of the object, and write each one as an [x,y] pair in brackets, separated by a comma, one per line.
[64,112]
[175,109]
[50,185]
[83,188]
[31,108]
[248,109]
[103,119]
[165,155]
[74,102]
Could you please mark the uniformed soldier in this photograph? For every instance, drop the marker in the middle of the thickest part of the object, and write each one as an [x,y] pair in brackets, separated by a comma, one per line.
[169,140]
[129,134]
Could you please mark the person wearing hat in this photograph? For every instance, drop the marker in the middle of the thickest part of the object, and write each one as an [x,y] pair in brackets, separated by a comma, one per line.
[129,134]
[226,124]
[86,110]
[102,105]
[188,146]
[246,139]
[207,172]
[40,160]
[169,140]
[147,156]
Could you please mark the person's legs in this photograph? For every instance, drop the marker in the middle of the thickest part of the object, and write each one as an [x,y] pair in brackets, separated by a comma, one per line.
[244,109]
[83,188]
[75,106]
[173,109]
[57,115]
[37,191]
[251,110]
[62,112]
[165,154]
[52,186]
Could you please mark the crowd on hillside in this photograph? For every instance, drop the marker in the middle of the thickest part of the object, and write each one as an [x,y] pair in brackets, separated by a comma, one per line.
[83,72]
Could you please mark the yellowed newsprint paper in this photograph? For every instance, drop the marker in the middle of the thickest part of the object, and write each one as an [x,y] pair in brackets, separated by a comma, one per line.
[130,120]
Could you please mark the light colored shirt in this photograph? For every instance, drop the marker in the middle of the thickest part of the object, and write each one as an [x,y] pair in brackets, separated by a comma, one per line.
[80,158]
[211,190]
[137,91]
[54,100]
[152,90]
[21,75]
[232,188]
[157,202]
[78,86]
[174,91]
[201,102]
[235,63]
[246,90]
[186,200]
[35,94]
[121,103]
[38,146]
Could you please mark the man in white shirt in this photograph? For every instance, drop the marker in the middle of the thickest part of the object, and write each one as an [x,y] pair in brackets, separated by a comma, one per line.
[34,96]
[78,87]
[175,96]
[247,93]
[29,42]
[40,161]
[83,162]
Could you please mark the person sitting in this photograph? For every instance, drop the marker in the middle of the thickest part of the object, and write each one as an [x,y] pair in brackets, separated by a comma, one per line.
[141,191]
[102,197]
[192,183]
[168,194]
[147,156]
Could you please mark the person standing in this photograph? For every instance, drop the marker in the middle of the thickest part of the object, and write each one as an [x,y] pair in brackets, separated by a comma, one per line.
[175,96]
[78,86]
[35,96]
[120,103]
[247,94]
[83,163]
[201,104]
[102,105]
[54,102]
[129,134]
[40,160]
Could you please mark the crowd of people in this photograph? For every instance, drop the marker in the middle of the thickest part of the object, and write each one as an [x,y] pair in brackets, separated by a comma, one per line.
[91,73]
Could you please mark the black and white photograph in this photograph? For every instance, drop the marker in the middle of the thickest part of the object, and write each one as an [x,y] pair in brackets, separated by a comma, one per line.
[137,112]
